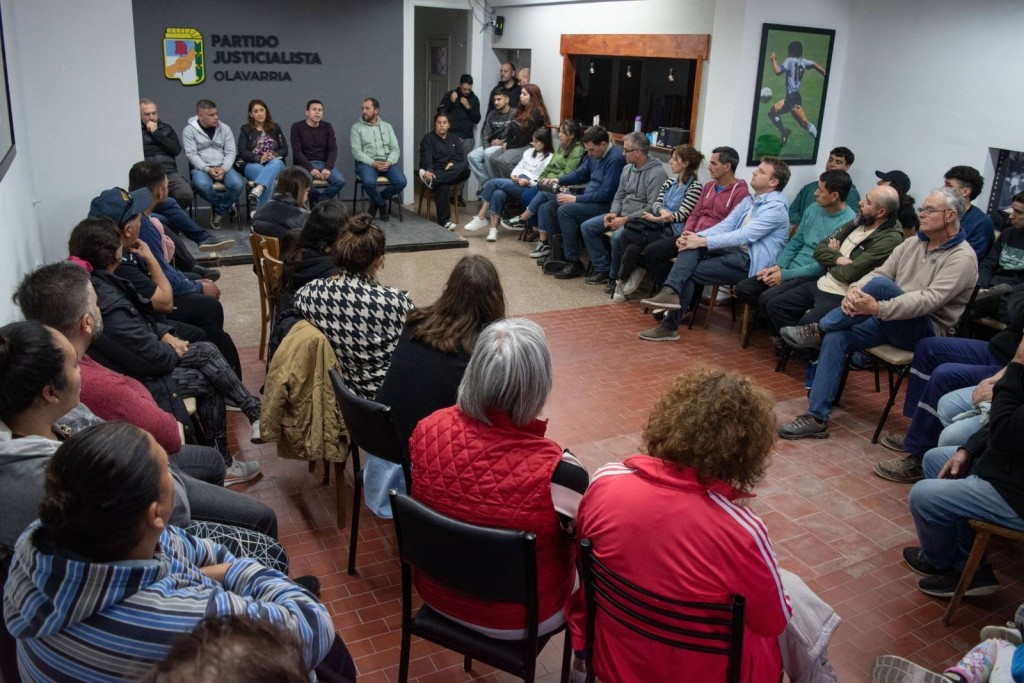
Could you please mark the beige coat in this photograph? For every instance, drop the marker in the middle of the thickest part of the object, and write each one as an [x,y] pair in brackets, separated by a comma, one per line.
[300,411]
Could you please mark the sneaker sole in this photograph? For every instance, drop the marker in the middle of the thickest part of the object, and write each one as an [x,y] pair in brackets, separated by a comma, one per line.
[538,255]
[976,592]
[217,246]
[657,304]
[1009,634]
[892,477]
[657,339]
[796,437]
[918,571]
[892,447]
[236,482]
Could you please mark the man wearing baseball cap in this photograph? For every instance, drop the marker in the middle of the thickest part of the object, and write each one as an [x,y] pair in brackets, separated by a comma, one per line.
[907,215]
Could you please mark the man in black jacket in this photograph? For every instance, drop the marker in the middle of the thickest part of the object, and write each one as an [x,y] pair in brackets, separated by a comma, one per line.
[983,480]
[442,164]
[463,109]
[160,143]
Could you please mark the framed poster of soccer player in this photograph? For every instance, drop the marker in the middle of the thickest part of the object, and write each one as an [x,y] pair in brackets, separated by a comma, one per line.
[789,99]
[6,120]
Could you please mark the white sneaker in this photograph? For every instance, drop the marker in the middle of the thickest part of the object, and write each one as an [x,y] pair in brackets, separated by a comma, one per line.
[619,296]
[241,472]
[476,224]
[256,438]
[542,249]
[428,183]
[492,235]
[633,281]
[216,246]
[450,227]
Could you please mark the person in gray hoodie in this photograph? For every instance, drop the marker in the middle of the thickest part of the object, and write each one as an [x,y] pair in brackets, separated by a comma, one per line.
[210,149]
[639,184]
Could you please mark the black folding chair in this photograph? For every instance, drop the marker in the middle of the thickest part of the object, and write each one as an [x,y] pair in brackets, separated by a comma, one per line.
[371,428]
[496,565]
[665,620]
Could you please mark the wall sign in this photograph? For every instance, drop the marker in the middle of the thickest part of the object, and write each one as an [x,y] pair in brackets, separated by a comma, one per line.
[185,58]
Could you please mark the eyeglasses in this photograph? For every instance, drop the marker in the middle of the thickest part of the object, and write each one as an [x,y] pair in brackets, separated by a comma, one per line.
[627,151]
[926,210]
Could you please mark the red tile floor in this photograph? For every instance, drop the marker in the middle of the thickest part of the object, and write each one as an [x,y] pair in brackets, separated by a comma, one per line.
[831,520]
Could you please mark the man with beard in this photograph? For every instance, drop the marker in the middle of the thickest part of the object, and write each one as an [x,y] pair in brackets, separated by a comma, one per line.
[375,149]
[852,252]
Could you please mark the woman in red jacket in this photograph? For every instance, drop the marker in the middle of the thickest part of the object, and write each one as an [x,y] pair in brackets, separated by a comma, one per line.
[675,523]
[486,461]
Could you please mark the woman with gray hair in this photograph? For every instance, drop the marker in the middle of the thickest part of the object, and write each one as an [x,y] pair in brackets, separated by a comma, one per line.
[486,461]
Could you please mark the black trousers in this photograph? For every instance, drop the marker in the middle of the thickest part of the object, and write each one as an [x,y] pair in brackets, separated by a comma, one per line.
[207,313]
[797,302]
[443,180]
[656,259]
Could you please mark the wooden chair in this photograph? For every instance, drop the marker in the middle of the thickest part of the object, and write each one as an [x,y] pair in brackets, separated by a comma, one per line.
[382,181]
[714,628]
[494,565]
[983,533]
[428,194]
[748,312]
[256,245]
[272,268]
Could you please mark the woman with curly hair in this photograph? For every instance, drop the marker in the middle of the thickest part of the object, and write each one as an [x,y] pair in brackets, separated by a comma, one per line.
[674,521]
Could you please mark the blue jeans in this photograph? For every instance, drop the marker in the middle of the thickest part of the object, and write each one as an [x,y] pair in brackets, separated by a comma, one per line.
[480,161]
[536,204]
[264,174]
[221,203]
[567,218]
[174,217]
[593,236]
[844,333]
[335,182]
[952,404]
[941,365]
[497,191]
[941,508]
[368,177]
[703,267]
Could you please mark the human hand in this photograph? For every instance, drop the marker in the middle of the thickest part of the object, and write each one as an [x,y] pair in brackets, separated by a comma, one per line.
[216,572]
[617,222]
[1019,356]
[213,171]
[210,288]
[151,126]
[180,346]
[464,102]
[833,243]
[666,215]
[142,250]
[428,176]
[773,57]
[449,165]
[608,218]
[565,198]
[692,241]
[773,276]
[523,182]
[495,142]
[648,216]
[857,302]
[455,95]
[956,466]
[843,261]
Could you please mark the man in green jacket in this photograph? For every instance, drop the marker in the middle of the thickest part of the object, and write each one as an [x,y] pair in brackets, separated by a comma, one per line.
[845,256]
[375,149]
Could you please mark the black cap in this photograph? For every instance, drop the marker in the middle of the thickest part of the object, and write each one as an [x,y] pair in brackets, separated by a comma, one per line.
[898,179]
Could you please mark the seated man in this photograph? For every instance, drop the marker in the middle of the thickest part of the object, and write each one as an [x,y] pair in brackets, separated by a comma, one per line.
[441,166]
[976,224]
[849,254]
[375,149]
[210,149]
[796,263]
[1002,270]
[839,159]
[315,148]
[565,212]
[717,200]
[194,302]
[946,369]
[491,137]
[161,144]
[639,184]
[980,480]
[136,344]
[920,291]
[748,240]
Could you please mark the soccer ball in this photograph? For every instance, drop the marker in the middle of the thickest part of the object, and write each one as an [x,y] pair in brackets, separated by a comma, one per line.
[766,94]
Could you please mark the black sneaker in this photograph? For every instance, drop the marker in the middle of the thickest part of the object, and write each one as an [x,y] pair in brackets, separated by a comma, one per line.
[211,274]
[802,336]
[309,582]
[785,136]
[609,287]
[944,585]
[385,213]
[804,427]
[915,559]
[572,269]
[597,279]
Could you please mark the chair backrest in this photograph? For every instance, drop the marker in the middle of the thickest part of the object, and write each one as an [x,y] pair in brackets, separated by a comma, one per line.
[256,245]
[713,628]
[497,565]
[273,268]
[370,424]
[272,245]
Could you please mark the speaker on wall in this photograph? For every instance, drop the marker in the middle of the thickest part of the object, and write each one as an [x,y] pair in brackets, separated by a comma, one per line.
[499,25]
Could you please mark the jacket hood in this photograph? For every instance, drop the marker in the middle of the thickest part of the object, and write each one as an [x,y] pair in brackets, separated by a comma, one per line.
[83,588]
[651,162]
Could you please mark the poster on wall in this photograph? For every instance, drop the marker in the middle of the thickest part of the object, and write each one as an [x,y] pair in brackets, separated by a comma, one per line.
[789,100]
[7,150]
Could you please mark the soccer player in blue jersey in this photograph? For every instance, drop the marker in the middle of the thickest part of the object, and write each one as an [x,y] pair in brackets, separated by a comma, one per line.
[795,66]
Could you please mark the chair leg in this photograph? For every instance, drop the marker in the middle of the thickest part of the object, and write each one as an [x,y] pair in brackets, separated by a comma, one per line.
[698,294]
[403,658]
[783,357]
[357,496]
[467,664]
[566,657]
[842,380]
[339,486]
[712,302]
[893,393]
[981,539]
[747,326]
[326,481]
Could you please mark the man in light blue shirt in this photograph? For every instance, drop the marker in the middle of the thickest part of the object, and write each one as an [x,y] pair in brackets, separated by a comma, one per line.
[747,241]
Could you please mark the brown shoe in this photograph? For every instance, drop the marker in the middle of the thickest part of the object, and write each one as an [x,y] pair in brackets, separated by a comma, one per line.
[666,298]
[893,441]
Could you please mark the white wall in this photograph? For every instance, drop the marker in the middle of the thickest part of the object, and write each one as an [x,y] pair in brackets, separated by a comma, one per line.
[932,84]
[77,119]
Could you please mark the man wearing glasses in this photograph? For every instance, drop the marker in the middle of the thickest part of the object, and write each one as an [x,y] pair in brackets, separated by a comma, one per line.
[920,291]
[639,185]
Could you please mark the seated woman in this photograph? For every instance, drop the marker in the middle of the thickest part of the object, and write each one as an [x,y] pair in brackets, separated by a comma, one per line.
[262,149]
[565,159]
[310,255]
[102,584]
[138,344]
[495,468]
[429,362]
[531,114]
[675,201]
[362,318]
[40,385]
[675,523]
[286,211]
[524,176]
